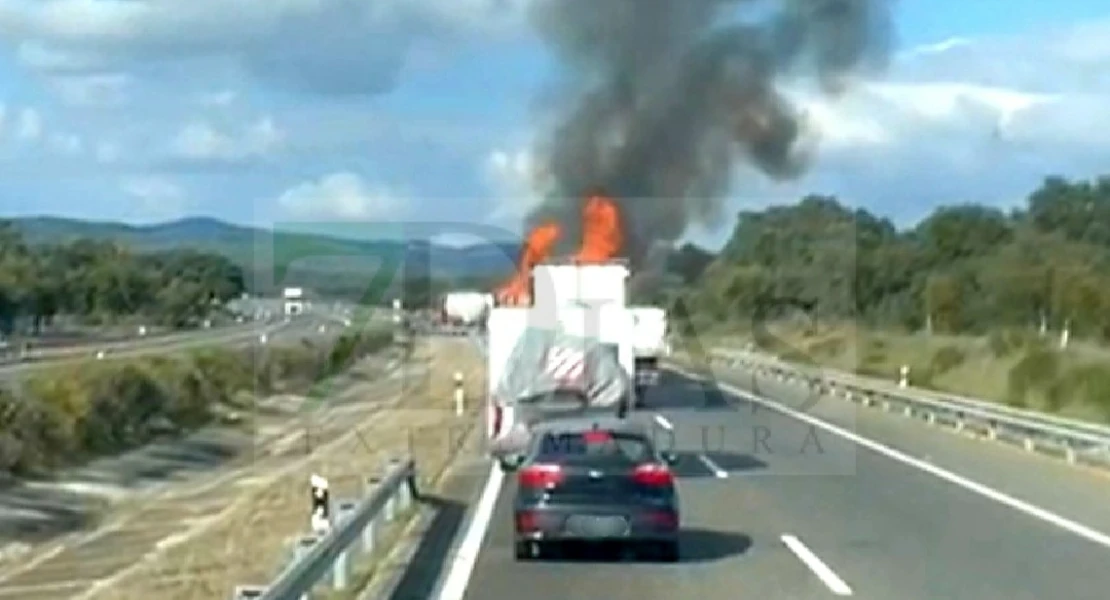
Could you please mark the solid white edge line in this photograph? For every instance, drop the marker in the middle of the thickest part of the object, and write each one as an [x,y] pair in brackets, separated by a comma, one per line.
[466,557]
[815,564]
[663,422]
[1088,533]
[718,472]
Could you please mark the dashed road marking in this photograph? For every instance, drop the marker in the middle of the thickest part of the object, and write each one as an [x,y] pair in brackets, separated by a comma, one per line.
[717,471]
[815,564]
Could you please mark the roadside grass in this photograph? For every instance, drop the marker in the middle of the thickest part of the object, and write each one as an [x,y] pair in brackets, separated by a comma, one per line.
[1019,368]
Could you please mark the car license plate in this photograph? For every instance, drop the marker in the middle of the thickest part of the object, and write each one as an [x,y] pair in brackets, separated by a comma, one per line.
[597,526]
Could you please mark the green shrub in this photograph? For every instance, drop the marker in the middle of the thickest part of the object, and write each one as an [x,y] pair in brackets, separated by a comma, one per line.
[1006,342]
[1037,371]
[1084,384]
[945,359]
[74,413]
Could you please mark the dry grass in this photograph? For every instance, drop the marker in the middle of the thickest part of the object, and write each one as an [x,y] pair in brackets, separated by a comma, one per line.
[248,539]
[982,372]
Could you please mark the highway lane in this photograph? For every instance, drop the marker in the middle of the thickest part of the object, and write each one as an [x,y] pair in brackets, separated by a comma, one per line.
[775,507]
[306,325]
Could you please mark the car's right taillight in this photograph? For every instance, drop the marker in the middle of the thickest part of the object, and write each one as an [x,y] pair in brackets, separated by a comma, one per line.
[540,477]
[653,475]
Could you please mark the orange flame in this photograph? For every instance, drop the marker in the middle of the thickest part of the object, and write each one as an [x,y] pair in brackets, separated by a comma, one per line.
[602,239]
[601,230]
[537,248]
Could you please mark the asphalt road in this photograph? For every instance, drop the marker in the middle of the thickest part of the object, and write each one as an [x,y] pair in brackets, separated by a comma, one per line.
[835,501]
[238,335]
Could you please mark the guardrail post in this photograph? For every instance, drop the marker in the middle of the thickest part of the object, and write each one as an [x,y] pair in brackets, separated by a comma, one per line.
[247,592]
[303,547]
[460,394]
[390,508]
[904,376]
[404,493]
[341,570]
[369,533]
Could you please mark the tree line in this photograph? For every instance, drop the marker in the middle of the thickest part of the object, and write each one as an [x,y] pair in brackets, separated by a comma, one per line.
[101,282]
[967,268]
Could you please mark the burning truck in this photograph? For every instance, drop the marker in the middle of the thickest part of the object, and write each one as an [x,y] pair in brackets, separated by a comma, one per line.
[562,329]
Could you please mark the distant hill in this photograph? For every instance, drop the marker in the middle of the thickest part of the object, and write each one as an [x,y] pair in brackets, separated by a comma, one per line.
[252,247]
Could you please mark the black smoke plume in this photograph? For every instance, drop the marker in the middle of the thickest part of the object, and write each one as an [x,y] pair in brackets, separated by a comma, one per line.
[664,98]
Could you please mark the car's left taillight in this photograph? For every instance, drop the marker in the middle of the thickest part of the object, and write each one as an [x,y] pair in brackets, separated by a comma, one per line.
[540,477]
[526,521]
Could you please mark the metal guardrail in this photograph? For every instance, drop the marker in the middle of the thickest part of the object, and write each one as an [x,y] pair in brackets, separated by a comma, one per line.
[1074,440]
[353,534]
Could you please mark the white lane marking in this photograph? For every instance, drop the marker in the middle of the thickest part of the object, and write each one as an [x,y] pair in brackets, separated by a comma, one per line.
[462,565]
[718,472]
[664,423]
[1088,533]
[819,568]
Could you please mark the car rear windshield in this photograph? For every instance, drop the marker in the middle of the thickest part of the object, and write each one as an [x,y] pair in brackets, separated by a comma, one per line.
[594,448]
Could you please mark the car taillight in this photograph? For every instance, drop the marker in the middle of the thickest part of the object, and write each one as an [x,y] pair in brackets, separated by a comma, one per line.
[540,476]
[663,519]
[597,436]
[653,475]
[526,521]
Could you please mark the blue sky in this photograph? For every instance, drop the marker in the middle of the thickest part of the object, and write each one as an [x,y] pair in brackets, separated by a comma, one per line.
[291,111]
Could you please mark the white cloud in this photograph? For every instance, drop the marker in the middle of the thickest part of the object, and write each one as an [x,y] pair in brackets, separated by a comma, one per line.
[107,152]
[28,126]
[101,89]
[458,240]
[66,143]
[342,195]
[323,45]
[517,181]
[156,197]
[201,141]
[218,99]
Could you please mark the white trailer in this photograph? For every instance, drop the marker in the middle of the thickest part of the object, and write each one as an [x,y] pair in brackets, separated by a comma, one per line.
[584,303]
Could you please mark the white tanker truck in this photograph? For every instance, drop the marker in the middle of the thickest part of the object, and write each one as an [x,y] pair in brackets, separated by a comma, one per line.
[466,308]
